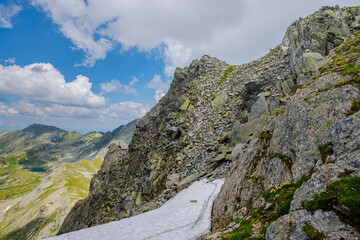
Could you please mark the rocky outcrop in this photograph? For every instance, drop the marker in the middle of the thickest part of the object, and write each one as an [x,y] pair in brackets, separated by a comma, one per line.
[261,124]
[186,136]
[289,145]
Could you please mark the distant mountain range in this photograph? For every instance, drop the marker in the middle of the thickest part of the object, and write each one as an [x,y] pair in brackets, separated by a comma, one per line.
[44,144]
[44,170]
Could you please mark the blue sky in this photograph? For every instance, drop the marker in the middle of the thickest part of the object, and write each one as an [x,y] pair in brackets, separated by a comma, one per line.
[96,64]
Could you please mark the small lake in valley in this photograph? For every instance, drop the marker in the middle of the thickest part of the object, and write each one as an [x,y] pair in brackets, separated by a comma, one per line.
[38,170]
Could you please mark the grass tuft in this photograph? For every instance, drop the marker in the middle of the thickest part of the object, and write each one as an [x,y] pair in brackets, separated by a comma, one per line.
[227,72]
[313,233]
[342,196]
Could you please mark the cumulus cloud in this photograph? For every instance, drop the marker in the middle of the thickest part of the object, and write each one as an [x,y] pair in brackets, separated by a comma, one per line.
[159,86]
[6,110]
[128,110]
[133,81]
[235,30]
[7,13]
[42,82]
[9,61]
[122,112]
[115,86]
[45,97]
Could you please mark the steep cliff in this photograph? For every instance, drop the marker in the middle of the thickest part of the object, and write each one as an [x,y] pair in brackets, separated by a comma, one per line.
[260,124]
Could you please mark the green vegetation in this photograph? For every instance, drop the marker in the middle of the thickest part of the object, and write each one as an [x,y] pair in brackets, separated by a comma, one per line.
[286,160]
[223,139]
[326,150]
[279,110]
[265,135]
[14,180]
[32,229]
[77,182]
[313,233]
[280,199]
[355,107]
[227,72]
[344,194]
[324,89]
[72,180]
[242,232]
[69,136]
[345,62]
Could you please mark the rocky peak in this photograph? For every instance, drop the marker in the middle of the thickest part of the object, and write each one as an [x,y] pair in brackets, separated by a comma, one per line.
[308,40]
[253,123]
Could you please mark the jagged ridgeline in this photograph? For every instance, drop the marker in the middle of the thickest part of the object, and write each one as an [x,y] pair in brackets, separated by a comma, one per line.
[278,135]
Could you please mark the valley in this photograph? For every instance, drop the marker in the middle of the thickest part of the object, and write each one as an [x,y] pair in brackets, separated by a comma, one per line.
[40,183]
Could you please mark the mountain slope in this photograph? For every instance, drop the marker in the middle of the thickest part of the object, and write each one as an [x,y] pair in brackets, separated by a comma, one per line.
[277,134]
[34,203]
[16,141]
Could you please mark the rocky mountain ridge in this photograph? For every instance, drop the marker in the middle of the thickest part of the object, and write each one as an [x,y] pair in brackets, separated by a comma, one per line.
[40,184]
[279,128]
[48,145]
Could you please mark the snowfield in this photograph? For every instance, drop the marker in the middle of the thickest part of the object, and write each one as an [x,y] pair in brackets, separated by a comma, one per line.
[186,216]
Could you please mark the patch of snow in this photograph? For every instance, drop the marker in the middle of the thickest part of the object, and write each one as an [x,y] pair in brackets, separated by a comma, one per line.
[186,216]
[71,157]
[7,208]
[92,154]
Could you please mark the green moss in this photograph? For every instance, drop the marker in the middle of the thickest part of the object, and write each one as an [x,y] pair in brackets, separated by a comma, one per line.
[324,89]
[285,159]
[308,83]
[313,233]
[345,195]
[185,105]
[279,111]
[227,72]
[355,107]
[265,135]
[237,220]
[344,61]
[223,139]
[242,232]
[326,150]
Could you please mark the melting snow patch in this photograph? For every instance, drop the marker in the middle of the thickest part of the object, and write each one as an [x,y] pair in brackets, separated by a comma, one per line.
[186,216]
[7,208]
[92,154]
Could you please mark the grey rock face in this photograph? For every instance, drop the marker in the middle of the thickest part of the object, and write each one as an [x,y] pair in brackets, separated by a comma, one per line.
[309,118]
[291,226]
[186,133]
[211,126]
[308,40]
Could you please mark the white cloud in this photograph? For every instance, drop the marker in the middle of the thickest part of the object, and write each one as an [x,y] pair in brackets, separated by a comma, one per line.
[115,86]
[9,61]
[7,111]
[112,86]
[159,86]
[159,94]
[26,112]
[48,99]
[42,82]
[7,13]
[125,110]
[236,31]
[133,81]
[157,83]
